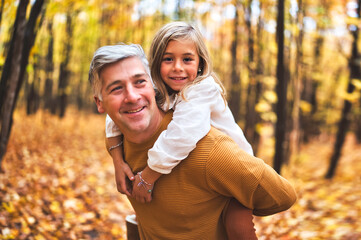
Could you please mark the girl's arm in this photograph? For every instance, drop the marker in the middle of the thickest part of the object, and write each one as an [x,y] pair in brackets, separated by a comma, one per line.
[191,122]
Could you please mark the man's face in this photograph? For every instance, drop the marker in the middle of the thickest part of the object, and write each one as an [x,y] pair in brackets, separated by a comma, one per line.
[128,97]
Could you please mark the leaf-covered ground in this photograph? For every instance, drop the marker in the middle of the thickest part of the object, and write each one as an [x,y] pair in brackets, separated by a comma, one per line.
[59,184]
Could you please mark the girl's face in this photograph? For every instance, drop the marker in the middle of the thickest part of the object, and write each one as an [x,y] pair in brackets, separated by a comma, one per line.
[179,64]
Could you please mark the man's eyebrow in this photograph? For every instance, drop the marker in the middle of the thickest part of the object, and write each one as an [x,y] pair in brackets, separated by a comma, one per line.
[139,75]
[112,84]
[116,82]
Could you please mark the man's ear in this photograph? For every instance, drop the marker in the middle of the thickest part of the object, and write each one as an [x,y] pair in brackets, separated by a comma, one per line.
[99,105]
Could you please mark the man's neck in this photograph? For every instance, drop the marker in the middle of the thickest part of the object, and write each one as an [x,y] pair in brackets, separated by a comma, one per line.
[151,130]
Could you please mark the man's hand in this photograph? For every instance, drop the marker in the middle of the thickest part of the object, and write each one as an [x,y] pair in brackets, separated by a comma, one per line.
[122,172]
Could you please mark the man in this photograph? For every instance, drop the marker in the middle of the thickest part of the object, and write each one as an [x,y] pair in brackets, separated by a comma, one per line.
[189,202]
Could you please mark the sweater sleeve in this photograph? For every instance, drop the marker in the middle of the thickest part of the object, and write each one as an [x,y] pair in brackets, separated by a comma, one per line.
[191,122]
[233,173]
[111,130]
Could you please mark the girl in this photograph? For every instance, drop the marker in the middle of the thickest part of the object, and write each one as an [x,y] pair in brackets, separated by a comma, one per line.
[182,73]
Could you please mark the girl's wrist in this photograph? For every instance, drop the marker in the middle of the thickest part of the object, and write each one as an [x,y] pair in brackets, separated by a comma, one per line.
[150,176]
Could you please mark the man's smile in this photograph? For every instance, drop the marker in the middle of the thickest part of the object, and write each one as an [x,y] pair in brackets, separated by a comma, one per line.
[135,110]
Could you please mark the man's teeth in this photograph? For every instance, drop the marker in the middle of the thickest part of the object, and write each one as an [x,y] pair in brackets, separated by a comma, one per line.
[136,110]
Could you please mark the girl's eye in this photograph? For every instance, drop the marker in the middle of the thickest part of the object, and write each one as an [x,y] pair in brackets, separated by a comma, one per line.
[187,59]
[167,59]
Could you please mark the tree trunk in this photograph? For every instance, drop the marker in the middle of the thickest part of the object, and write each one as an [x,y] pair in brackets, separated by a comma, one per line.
[33,98]
[281,89]
[1,10]
[64,69]
[259,76]
[10,75]
[295,133]
[355,73]
[308,122]
[23,40]
[358,125]
[20,21]
[49,103]
[30,34]
[251,114]
[235,96]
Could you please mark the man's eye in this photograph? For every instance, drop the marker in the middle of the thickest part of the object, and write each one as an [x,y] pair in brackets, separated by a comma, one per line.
[115,89]
[141,81]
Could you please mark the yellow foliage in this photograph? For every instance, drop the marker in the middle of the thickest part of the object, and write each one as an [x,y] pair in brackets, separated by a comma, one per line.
[9,207]
[65,186]
[306,107]
[270,81]
[55,207]
[353,21]
[325,209]
[351,97]
[270,96]
[263,106]
[357,83]
[59,190]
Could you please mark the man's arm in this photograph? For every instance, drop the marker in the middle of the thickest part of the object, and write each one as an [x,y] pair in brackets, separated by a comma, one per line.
[122,170]
[273,194]
[234,173]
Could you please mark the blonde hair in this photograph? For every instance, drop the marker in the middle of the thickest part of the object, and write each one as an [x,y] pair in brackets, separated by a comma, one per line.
[179,31]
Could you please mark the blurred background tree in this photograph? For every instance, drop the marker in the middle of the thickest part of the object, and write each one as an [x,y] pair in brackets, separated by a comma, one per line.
[289,85]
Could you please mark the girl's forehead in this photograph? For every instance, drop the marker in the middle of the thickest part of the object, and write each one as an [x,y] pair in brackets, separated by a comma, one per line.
[182,41]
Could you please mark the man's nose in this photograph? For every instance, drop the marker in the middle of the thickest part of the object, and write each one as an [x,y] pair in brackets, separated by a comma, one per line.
[132,95]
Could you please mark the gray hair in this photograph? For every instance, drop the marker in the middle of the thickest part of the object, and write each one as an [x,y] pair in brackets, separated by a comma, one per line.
[110,54]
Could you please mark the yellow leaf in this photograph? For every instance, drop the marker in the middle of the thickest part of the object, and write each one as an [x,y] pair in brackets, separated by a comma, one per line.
[351,97]
[306,107]
[9,207]
[116,230]
[270,96]
[263,107]
[100,190]
[353,21]
[55,207]
[356,83]
[92,179]
[40,237]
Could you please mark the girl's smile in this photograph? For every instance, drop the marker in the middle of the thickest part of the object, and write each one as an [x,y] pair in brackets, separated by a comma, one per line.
[180,63]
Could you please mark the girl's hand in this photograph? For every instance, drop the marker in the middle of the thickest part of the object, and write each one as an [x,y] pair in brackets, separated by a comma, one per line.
[142,190]
[122,174]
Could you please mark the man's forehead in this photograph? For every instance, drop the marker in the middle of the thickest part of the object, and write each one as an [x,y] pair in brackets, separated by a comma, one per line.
[125,69]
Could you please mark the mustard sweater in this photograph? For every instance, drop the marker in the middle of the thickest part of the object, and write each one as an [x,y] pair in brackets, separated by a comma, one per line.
[188,203]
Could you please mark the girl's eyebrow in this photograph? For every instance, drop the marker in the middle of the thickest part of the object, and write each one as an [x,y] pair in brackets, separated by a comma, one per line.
[184,54]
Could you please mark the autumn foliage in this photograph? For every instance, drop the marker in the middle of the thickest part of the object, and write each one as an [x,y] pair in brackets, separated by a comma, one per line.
[58,183]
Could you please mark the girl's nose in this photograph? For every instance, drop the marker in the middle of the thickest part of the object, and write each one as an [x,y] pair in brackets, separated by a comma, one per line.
[178,65]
